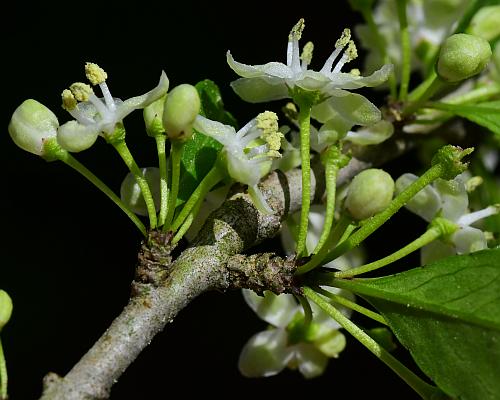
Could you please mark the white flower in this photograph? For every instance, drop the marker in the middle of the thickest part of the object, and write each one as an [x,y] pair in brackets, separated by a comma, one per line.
[94,115]
[275,80]
[288,342]
[248,152]
[449,200]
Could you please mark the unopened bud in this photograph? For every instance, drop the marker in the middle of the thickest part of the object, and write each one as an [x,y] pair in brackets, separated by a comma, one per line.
[485,23]
[462,56]
[153,115]
[75,137]
[131,193]
[369,193]
[181,108]
[5,308]
[31,124]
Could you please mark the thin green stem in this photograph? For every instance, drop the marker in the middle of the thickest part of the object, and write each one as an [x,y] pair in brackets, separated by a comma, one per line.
[425,390]
[405,49]
[352,305]
[175,158]
[3,374]
[305,154]
[426,238]
[416,93]
[331,170]
[188,221]
[476,95]
[69,160]
[381,45]
[122,149]
[308,314]
[162,163]
[211,179]
[379,219]
[429,90]
[335,237]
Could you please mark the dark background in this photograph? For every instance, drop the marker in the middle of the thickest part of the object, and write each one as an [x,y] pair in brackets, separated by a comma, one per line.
[68,253]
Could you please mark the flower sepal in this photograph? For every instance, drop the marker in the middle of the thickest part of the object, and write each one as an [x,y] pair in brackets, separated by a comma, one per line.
[450,158]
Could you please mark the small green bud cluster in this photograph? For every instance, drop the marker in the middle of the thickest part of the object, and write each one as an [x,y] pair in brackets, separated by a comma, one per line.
[181,108]
[450,158]
[369,193]
[462,56]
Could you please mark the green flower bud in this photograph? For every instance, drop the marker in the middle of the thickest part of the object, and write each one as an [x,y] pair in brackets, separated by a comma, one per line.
[369,193]
[75,137]
[5,308]
[462,56]
[485,23]
[31,124]
[181,108]
[153,117]
[131,193]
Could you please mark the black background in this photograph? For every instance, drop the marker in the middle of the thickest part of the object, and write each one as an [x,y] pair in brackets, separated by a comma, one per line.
[68,253]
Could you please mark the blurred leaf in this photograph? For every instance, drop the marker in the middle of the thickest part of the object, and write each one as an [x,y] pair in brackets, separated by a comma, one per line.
[484,114]
[383,336]
[201,151]
[447,314]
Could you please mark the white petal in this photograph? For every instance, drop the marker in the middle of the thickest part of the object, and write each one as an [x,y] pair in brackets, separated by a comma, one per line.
[143,101]
[273,69]
[349,81]
[425,203]
[469,239]
[454,198]
[311,80]
[75,137]
[257,90]
[331,343]
[435,251]
[351,106]
[311,362]
[224,134]
[275,310]
[373,134]
[265,354]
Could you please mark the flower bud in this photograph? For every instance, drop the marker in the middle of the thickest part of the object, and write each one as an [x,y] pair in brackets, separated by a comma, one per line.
[369,193]
[31,124]
[131,193]
[485,23]
[5,308]
[462,56]
[75,137]
[181,108]
[153,117]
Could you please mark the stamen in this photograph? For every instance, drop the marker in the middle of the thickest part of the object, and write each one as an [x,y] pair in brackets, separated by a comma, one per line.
[81,91]
[99,105]
[243,131]
[296,32]
[268,123]
[307,53]
[469,219]
[473,183]
[290,111]
[350,54]
[293,51]
[95,74]
[110,102]
[355,72]
[339,45]
[68,100]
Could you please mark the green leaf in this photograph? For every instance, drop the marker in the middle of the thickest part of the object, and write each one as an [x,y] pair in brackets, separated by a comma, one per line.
[200,152]
[447,314]
[485,114]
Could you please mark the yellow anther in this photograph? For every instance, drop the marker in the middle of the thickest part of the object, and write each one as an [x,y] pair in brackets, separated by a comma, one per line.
[351,51]
[95,74]
[68,100]
[473,183]
[81,91]
[268,123]
[307,53]
[344,38]
[355,72]
[296,32]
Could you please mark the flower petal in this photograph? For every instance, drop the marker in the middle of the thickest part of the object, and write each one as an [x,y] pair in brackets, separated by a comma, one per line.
[469,239]
[435,251]
[374,134]
[454,198]
[75,137]
[351,106]
[350,81]
[311,80]
[224,134]
[257,90]
[275,310]
[143,101]
[425,203]
[310,361]
[272,69]
[265,354]
[331,343]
